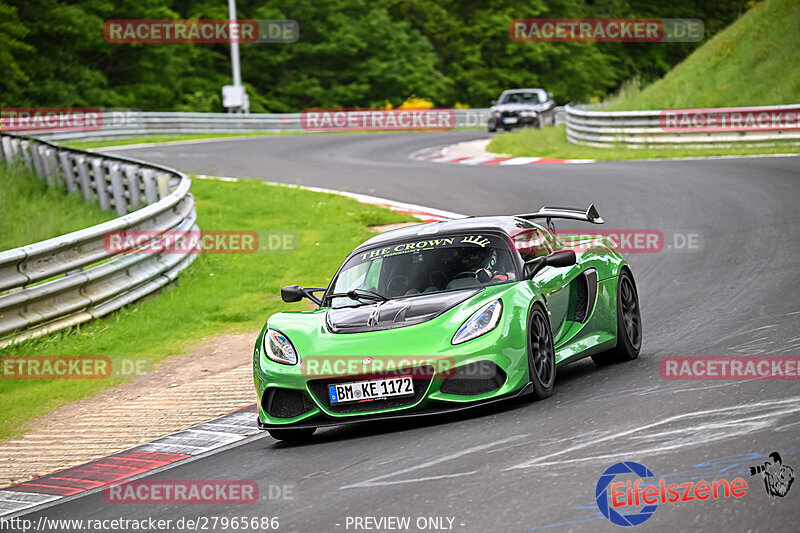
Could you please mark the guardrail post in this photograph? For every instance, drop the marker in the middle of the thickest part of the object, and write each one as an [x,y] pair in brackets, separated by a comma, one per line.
[39,157]
[68,170]
[5,151]
[54,165]
[49,165]
[118,190]
[100,184]
[163,185]
[24,148]
[85,179]
[32,158]
[134,185]
[150,192]
[15,149]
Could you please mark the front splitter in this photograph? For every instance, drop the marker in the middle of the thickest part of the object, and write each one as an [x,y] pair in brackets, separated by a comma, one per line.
[328,421]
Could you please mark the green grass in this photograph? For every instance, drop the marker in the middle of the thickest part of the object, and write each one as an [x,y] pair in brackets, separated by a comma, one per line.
[30,211]
[217,294]
[552,142]
[751,62]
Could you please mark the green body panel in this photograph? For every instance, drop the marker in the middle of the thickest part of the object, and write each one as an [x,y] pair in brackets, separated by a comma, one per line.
[505,346]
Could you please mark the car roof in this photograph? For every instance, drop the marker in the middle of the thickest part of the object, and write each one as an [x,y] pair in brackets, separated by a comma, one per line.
[522,90]
[502,224]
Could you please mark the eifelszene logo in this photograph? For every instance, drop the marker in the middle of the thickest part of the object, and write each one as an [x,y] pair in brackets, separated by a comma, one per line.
[601,494]
[631,494]
[778,477]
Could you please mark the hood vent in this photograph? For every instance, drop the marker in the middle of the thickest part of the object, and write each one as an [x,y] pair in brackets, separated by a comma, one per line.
[395,313]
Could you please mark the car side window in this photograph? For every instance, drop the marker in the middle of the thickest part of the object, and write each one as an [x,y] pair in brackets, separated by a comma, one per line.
[373,275]
[352,278]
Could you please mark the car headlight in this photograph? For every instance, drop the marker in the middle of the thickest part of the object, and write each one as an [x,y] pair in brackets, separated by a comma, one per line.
[481,322]
[278,348]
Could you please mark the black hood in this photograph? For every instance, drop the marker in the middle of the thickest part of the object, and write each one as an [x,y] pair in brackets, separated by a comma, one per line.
[395,313]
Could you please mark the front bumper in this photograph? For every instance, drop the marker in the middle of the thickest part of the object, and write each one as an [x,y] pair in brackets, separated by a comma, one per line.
[500,122]
[326,421]
[494,367]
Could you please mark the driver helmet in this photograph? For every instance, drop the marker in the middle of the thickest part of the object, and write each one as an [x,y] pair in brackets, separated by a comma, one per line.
[480,258]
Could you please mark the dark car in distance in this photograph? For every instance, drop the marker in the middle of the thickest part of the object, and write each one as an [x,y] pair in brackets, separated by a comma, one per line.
[522,107]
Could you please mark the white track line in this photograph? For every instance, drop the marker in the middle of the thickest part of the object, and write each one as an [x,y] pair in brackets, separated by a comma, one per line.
[520,161]
[477,160]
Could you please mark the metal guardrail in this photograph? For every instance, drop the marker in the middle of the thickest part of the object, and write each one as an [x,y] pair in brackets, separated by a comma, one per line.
[72,279]
[684,127]
[115,124]
[75,278]
[560,116]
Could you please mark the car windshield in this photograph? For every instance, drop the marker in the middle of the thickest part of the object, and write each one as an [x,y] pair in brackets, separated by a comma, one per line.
[531,97]
[424,266]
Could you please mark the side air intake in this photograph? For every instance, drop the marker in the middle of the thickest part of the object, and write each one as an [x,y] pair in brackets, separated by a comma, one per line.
[474,378]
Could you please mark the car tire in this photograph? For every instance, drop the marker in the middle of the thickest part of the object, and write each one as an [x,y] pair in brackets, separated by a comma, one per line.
[492,127]
[541,353]
[629,324]
[292,435]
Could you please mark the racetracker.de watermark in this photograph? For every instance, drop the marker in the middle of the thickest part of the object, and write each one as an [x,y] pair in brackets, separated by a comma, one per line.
[50,119]
[731,368]
[201,31]
[729,119]
[182,492]
[625,241]
[58,119]
[200,242]
[73,366]
[421,366]
[594,30]
[333,119]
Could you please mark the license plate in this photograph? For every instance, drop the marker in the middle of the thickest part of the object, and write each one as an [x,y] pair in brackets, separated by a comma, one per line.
[510,120]
[374,389]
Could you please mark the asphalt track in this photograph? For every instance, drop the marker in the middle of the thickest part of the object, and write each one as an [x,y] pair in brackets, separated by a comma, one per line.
[535,465]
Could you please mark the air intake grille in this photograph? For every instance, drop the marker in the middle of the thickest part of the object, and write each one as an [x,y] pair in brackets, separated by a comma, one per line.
[474,378]
[285,403]
[582,301]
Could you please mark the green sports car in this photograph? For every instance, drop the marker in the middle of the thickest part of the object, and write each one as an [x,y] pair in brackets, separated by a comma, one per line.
[444,316]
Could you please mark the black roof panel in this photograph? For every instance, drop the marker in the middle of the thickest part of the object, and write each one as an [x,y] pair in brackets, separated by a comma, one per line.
[503,224]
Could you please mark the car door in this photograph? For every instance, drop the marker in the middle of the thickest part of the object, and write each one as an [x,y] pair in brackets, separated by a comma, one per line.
[559,291]
[556,284]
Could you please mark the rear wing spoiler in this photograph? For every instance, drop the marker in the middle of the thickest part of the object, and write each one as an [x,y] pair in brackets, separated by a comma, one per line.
[590,214]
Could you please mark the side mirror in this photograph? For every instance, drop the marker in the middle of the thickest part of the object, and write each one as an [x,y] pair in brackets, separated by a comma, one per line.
[563,258]
[295,293]
[550,96]
[292,293]
[494,102]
